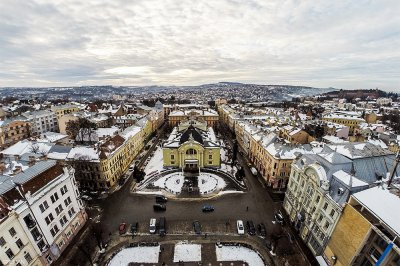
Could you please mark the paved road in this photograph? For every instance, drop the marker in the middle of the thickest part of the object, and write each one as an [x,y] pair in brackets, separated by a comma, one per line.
[122,206]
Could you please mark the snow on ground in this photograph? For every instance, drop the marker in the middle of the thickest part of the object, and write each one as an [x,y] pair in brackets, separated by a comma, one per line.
[155,164]
[172,183]
[136,254]
[230,192]
[223,154]
[235,253]
[149,192]
[187,252]
[229,169]
[210,182]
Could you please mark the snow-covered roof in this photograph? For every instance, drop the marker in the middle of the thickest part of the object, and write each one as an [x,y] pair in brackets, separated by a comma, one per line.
[349,179]
[83,153]
[52,136]
[129,132]
[26,146]
[383,204]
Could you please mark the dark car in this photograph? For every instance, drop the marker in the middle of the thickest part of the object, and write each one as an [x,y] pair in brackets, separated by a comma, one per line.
[159,207]
[162,225]
[134,227]
[261,229]
[251,230]
[197,227]
[122,228]
[207,208]
[161,199]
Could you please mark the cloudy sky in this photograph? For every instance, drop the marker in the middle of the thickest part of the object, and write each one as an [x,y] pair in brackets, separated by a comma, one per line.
[343,44]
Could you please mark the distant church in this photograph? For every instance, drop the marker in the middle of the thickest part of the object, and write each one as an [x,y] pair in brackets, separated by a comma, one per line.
[192,146]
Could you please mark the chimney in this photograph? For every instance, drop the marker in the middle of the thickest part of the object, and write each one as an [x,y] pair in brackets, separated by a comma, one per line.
[17,170]
[32,160]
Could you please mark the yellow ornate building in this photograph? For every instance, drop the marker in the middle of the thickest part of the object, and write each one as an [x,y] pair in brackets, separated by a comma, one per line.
[192,146]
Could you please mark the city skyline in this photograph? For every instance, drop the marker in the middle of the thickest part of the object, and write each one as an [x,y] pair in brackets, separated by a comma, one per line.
[66,43]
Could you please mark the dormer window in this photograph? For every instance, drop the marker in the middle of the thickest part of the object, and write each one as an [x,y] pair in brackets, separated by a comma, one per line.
[340,191]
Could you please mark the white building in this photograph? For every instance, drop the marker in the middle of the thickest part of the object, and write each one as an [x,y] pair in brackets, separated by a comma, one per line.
[42,121]
[15,246]
[46,201]
[317,190]
[383,101]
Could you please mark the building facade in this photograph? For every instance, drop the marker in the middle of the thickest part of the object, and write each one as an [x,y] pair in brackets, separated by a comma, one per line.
[191,147]
[99,167]
[42,121]
[13,130]
[48,207]
[368,231]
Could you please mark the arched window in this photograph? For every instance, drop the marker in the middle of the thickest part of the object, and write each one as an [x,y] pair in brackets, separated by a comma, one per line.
[191,151]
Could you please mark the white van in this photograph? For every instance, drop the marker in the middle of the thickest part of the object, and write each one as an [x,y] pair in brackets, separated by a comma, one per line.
[152,227]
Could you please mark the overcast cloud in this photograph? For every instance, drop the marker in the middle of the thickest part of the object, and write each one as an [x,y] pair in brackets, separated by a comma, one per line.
[343,44]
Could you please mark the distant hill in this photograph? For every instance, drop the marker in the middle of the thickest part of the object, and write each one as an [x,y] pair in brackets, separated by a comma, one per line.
[227,90]
[362,94]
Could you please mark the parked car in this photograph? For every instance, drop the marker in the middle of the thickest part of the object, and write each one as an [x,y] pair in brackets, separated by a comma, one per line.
[153,225]
[240,227]
[279,218]
[134,227]
[207,208]
[159,207]
[162,226]
[261,229]
[197,227]
[161,199]
[251,230]
[122,228]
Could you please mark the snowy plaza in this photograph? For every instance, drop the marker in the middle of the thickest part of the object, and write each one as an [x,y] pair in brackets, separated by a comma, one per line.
[185,251]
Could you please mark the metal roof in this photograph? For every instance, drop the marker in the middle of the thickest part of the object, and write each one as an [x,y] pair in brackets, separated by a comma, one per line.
[33,171]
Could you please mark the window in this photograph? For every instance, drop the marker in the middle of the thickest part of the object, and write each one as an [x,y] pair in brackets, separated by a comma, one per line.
[61,243]
[325,206]
[9,254]
[67,201]
[320,218]
[59,209]
[326,226]
[49,259]
[332,213]
[172,157]
[12,231]
[2,241]
[191,151]
[44,206]
[71,212]
[63,220]
[19,243]
[49,218]
[54,230]
[210,156]
[375,254]
[28,257]
[64,190]
[317,199]
[54,197]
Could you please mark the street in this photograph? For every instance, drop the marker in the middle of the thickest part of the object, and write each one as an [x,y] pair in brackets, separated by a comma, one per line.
[254,204]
